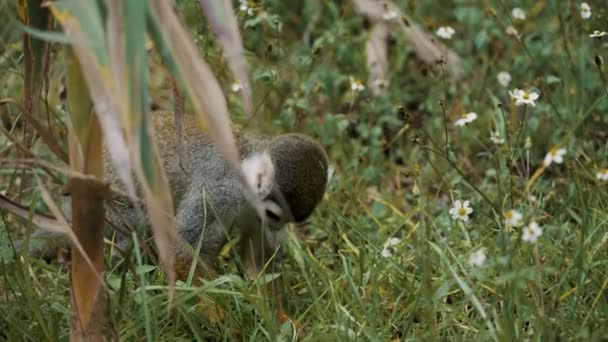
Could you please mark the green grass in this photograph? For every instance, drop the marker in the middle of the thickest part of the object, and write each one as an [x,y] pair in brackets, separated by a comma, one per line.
[336,283]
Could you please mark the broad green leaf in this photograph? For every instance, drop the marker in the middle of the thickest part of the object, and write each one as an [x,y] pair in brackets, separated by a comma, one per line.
[127,34]
[86,17]
[79,101]
[94,64]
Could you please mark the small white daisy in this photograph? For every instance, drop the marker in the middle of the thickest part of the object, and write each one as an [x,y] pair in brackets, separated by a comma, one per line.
[356,85]
[522,97]
[236,86]
[390,246]
[386,252]
[554,156]
[585,10]
[496,138]
[602,175]
[466,118]
[392,242]
[244,7]
[478,258]
[511,31]
[532,232]
[598,34]
[518,13]
[461,210]
[513,218]
[504,78]
[390,15]
[445,32]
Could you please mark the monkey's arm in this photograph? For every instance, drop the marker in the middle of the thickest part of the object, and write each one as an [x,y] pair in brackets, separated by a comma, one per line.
[261,249]
[204,216]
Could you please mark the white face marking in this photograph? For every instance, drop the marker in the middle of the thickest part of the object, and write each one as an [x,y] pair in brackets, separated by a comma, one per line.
[273,211]
[259,171]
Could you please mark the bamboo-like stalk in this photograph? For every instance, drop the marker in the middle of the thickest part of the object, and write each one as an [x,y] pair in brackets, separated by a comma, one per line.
[88,319]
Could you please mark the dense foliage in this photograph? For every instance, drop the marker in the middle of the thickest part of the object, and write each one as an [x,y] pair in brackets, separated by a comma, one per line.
[393,252]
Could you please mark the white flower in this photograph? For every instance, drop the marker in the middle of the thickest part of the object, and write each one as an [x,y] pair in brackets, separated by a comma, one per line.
[390,15]
[390,246]
[386,252]
[356,85]
[504,78]
[513,218]
[532,232]
[244,7]
[236,86]
[392,242]
[518,13]
[496,138]
[478,258]
[515,93]
[461,210]
[466,118]
[445,32]
[602,175]
[554,156]
[585,10]
[511,31]
[522,97]
[598,34]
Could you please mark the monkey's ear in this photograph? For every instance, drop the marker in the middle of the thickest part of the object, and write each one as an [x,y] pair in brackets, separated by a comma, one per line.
[259,171]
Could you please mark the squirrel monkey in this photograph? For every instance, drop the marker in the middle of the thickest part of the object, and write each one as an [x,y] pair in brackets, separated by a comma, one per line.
[288,173]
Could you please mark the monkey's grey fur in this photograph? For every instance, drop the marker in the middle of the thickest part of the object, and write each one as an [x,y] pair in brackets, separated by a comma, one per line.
[209,200]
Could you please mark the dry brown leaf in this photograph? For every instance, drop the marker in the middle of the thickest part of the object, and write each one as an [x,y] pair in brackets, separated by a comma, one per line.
[64,226]
[160,213]
[88,291]
[106,108]
[116,52]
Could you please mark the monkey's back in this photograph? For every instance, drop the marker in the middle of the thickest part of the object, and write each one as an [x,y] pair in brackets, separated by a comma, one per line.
[200,165]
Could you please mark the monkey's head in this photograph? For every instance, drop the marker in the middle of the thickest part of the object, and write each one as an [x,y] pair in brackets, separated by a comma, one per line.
[301,168]
[291,177]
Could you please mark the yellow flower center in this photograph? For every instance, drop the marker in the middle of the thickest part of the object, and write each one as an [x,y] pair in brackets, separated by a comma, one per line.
[462,211]
[509,214]
[553,152]
[526,96]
